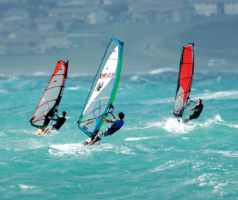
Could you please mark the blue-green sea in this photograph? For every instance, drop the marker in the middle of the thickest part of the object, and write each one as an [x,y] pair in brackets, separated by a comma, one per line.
[152,157]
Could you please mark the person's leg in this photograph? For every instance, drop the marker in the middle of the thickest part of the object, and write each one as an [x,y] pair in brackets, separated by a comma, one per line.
[94,140]
[99,136]
[186,119]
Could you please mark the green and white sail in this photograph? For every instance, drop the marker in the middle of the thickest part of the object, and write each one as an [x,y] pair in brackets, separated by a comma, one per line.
[103,89]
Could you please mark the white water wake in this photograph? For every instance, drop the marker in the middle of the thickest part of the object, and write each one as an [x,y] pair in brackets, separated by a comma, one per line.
[82,150]
[172,125]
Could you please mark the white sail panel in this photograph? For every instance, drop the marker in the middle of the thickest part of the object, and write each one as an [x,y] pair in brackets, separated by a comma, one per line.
[105,77]
[103,89]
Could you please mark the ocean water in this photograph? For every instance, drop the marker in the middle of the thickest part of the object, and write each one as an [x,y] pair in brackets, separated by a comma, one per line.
[152,157]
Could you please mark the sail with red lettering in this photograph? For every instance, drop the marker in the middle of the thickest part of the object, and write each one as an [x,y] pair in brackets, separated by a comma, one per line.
[185,79]
[51,97]
[103,89]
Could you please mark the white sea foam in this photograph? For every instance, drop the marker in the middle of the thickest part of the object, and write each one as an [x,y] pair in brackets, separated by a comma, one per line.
[232,125]
[73,88]
[229,94]
[161,70]
[209,180]
[169,165]
[40,74]
[219,120]
[25,187]
[82,150]
[135,78]
[172,125]
[138,78]
[141,138]
[134,128]
[224,153]
[145,149]
[69,149]
[24,131]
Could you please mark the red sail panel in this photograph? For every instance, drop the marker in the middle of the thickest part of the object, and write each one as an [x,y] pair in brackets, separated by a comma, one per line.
[51,96]
[184,80]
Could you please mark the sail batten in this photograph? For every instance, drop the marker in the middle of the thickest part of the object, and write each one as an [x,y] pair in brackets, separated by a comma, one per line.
[103,89]
[184,80]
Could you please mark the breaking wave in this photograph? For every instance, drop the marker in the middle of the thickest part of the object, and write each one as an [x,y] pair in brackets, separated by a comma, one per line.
[73,88]
[232,94]
[161,70]
[141,138]
[40,74]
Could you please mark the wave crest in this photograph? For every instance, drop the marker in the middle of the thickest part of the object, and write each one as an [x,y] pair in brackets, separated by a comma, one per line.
[232,94]
[161,70]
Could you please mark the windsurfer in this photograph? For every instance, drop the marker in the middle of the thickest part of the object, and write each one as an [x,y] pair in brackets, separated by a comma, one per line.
[197,110]
[59,122]
[116,124]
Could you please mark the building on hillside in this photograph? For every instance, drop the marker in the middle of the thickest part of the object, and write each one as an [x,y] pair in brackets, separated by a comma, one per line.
[215,7]
[159,11]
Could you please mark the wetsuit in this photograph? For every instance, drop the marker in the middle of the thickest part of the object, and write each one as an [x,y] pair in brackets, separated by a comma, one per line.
[197,111]
[59,122]
[116,125]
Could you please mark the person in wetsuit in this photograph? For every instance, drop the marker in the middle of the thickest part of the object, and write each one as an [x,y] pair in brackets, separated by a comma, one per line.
[197,110]
[59,121]
[116,124]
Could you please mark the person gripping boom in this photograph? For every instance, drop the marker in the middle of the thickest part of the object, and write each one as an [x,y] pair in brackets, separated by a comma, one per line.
[197,110]
[116,124]
[59,123]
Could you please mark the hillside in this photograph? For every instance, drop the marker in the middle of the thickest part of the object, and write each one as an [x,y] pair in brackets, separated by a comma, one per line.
[147,47]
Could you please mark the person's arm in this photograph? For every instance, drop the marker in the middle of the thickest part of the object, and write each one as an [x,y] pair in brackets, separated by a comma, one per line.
[195,108]
[111,109]
[53,118]
[112,115]
[107,120]
[193,101]
[56,117]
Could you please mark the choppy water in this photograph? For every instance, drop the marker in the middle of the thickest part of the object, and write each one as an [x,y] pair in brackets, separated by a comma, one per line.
[152,157]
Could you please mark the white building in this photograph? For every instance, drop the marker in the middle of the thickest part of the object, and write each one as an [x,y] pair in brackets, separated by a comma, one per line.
[215,7]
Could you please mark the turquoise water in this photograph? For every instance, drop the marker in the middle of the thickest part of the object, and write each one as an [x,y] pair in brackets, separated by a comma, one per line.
[151,157]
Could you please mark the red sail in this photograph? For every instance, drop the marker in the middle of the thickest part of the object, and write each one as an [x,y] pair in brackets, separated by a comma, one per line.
[51,96]
[184,80]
